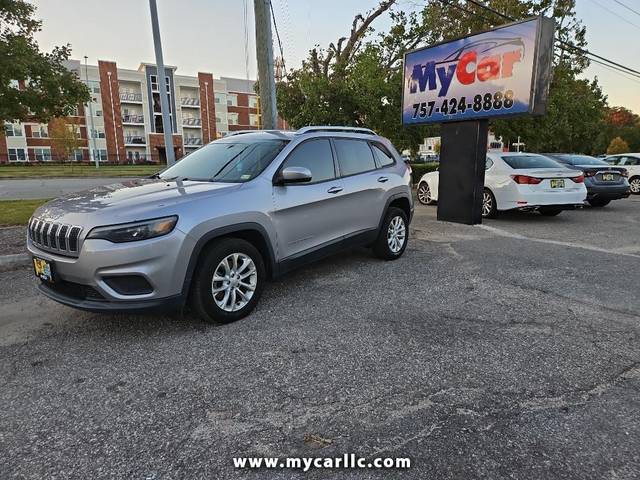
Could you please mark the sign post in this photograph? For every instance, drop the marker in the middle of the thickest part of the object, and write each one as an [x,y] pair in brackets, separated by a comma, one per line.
[462,83]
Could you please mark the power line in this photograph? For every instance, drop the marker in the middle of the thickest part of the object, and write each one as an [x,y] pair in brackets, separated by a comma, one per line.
[275,24]
[566,44]
[616,14]
[627,7]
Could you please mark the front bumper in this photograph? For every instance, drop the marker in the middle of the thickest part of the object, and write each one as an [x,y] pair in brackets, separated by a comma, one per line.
[81,302]
[84,282]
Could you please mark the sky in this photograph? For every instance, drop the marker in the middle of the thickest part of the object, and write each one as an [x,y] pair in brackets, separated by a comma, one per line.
[209,35]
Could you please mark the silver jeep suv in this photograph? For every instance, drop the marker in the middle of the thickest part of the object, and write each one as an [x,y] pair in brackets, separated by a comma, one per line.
[214,227]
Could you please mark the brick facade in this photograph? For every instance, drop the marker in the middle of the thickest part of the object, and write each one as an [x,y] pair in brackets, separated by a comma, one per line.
[243,111]
[207,107]
[156,144]
[112,111]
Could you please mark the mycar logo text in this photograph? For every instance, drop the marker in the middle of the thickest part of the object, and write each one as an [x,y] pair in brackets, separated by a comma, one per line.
[481,61]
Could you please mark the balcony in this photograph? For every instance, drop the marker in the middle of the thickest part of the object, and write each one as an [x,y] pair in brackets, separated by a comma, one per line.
[192,142]
[190,102]
[130,97]
[191,122]
[135,140]
[133,119]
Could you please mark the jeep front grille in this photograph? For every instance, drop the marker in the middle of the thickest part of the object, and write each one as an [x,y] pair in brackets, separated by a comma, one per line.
[54,236]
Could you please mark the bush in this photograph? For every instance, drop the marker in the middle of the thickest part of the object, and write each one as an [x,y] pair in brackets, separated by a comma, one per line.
[419,169]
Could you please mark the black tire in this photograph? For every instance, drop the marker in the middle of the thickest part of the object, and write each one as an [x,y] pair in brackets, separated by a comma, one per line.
[550,212]
[634,183]
[490,211]
[423,192]
[202,296]
[381,247]
[598,202]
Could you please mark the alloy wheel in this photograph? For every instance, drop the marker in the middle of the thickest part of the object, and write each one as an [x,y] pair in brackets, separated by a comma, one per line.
[424,193]
[487,204]
[396,234]
[635,185]
[234,282]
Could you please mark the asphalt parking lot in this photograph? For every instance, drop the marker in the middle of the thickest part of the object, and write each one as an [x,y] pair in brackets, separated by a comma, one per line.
[508,350]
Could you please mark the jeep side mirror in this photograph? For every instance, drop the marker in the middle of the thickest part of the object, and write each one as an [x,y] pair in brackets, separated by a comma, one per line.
[293,175]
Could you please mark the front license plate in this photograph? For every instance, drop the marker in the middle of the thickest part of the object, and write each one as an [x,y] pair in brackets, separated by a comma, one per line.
[557,183]
[43,269]
[608,177]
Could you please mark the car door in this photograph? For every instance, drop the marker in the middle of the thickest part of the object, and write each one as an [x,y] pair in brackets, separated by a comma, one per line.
[364,185]
[309,215]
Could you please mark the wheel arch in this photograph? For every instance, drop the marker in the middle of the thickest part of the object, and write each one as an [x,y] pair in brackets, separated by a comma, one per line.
[253,233]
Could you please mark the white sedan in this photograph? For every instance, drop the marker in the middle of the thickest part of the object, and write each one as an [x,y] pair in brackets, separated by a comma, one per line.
[519,181]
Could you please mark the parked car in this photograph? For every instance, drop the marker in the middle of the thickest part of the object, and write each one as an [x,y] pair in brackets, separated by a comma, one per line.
[603,181]
[213,227]
[631,162]
[519,181]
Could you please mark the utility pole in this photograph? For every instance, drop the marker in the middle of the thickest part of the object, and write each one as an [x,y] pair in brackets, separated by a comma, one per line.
[92,139]
[167,127]
[264,53]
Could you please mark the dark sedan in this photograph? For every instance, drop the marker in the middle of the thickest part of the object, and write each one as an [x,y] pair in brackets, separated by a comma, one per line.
[604,182]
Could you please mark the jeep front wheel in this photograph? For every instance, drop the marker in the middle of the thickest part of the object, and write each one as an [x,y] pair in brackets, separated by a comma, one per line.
[228,282]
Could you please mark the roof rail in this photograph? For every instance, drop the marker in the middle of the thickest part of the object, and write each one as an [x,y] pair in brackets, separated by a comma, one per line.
[310,129]
[242,132]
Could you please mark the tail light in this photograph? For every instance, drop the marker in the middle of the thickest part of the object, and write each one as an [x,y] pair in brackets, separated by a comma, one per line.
[579,178]
[526,180]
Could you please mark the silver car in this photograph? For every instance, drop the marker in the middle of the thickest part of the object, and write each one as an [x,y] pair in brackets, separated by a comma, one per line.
[210,230]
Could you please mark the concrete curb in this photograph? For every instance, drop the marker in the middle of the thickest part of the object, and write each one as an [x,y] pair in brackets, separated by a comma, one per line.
[9,262]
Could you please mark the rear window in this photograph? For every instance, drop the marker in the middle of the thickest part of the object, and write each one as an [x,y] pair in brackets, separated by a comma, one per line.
[581,160]
[521,162]
[354,156]
[382,155]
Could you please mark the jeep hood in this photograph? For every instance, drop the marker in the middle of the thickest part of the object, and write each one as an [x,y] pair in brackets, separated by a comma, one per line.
[128,199]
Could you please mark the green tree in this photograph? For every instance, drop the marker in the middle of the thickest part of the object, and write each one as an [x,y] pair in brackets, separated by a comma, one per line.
[65,138]
[49,88]
[617,145]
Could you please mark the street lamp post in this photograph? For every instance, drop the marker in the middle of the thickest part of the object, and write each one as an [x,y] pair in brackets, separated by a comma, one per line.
[91,137]
[162,86]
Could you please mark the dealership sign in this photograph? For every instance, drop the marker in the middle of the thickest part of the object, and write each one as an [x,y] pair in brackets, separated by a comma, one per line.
[505,71]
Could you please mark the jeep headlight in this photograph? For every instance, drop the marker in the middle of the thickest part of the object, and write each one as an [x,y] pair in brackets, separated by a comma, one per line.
[132,232]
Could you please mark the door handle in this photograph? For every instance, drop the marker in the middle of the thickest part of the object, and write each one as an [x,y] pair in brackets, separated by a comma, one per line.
[382,179]
[334,190]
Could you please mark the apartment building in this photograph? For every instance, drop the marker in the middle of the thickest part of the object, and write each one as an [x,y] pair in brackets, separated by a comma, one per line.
[123,121]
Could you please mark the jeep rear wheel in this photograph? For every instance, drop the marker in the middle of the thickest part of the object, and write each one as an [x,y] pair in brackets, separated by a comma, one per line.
[228,282]
[393,236]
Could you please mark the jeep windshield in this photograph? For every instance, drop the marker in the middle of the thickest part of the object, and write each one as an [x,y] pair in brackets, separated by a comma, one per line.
[226,161]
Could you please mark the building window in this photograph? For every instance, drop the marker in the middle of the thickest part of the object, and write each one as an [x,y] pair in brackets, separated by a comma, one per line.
[98,132]
[40,131]
[77,155]
[42,154]
[154,83]
[253,101]
[13,130]
[98,113]
[232,100]
[218,119]
[232,118]
[100,154]
[220,98]
[253,119]
[17,155]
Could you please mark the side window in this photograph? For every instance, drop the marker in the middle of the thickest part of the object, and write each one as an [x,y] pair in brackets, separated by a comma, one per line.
[383,157]
[632,161]
[354,156]
[488,164]
[315,155]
